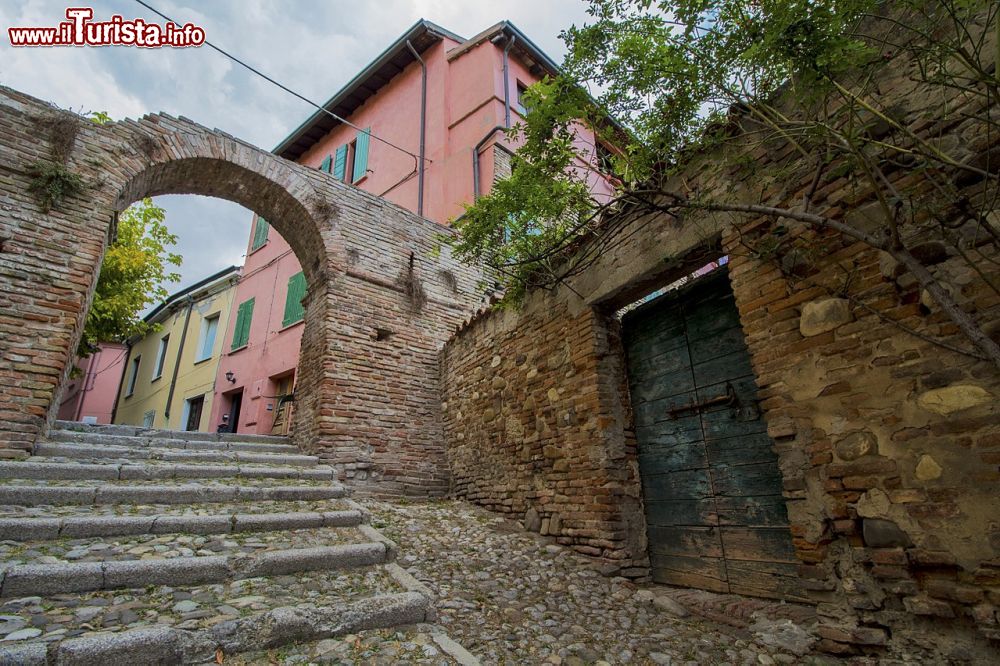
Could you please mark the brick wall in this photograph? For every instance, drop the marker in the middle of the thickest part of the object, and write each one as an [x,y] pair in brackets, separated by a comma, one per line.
[534,420]
[888,444]
[382,299]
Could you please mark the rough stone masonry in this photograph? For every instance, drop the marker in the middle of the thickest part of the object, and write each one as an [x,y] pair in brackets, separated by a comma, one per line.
[888,446]
[381,298]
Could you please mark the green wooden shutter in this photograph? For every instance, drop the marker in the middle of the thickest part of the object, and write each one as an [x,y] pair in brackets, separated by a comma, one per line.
[327,162]
[340,163]
[361,155]
[294,311]
[259,234]
[241,331]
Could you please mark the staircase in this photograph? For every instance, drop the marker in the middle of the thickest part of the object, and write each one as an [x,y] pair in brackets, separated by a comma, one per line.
[120,545]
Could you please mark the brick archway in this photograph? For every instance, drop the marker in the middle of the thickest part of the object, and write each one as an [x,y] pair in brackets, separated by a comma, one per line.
[368,367]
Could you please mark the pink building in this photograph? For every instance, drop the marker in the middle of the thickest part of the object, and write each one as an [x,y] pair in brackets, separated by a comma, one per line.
[431,93]
[90,396]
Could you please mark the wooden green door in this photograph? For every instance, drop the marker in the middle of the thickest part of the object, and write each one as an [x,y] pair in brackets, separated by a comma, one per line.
[715,514]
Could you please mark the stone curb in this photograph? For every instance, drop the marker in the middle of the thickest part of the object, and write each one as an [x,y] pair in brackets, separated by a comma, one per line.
[31,469]
[47,579]
[73,427]
[373,534]
[145,442]
[81,527]
[107,494]
[97,451]
[250,634]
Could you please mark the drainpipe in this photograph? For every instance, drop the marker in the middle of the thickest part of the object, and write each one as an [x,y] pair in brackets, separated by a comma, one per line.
[423,127]
[121,382]
[506,80]
[177,362]
[506,118]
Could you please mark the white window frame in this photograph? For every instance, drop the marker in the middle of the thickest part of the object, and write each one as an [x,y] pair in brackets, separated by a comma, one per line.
[206,324]
[161,357]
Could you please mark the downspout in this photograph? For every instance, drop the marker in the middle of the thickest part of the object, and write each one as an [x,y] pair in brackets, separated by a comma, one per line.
[506,118]
[121,382]
[177,362]
[506,80]
[423,127]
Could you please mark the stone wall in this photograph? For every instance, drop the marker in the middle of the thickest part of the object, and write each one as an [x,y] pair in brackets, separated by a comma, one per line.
[534,418]
[888,444]
[381,298]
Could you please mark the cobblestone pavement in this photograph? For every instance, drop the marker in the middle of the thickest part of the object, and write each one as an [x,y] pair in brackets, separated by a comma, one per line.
[513,597]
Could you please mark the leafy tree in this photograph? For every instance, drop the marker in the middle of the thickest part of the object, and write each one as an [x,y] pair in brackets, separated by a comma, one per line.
[686,77]
[133,275]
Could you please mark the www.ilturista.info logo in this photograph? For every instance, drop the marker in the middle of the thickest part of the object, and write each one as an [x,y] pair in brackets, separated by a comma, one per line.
[79,30]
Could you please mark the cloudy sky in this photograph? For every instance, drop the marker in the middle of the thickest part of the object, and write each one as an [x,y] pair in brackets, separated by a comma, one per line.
[312,46]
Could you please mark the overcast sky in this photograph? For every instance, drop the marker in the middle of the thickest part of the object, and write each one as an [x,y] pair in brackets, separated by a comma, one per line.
[312,46]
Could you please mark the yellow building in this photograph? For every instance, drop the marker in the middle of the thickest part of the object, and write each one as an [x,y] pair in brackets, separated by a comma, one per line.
[169,375]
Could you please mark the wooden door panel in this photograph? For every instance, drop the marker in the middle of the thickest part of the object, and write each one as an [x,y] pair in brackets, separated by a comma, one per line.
[715,516]
[746,480]
[685,541]
[723,368]
[664,459]
[676,513]
[742,450]
[706,573]
[717,344]
[690,484]
[752,511]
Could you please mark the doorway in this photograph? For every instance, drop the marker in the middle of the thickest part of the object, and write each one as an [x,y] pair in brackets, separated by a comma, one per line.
[712,489]
[231,420]
[195,406]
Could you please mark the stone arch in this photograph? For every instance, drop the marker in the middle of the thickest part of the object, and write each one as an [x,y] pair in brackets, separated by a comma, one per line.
[367,401]
[122,163]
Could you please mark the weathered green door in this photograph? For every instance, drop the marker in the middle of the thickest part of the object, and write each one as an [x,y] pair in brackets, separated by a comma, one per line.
[715,515]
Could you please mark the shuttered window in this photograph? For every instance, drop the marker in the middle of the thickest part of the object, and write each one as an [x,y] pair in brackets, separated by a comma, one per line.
[259,234]
[361,155]
[340,163]
[241,331]
[327,163]
[294,312]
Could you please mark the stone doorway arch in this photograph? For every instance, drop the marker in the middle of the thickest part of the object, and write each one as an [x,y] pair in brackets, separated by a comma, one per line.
[381,297]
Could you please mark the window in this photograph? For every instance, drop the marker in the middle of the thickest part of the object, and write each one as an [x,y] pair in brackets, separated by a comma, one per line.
[294,312]
[241,331]
[259,234]
[360,167]
[206,339]
[522,108]
[148,418]
[340,163]
[605,158]
[327,164]
[161,357]
[133,377]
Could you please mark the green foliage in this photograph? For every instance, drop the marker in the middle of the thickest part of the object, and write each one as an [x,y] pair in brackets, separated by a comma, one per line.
[668,72]
[52,182]
[100,117]
[133,275]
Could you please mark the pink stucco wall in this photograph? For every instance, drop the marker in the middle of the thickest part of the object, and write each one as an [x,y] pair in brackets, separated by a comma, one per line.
[93,392]
[464,102]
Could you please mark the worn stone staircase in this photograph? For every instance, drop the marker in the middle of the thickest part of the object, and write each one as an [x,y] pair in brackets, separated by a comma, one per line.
[132,546]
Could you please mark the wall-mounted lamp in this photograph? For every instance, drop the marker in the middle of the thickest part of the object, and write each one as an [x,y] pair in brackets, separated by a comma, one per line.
[231,377]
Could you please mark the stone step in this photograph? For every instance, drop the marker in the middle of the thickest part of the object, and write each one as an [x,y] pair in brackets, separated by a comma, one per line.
[193,509]
[193,435]
[28,580]
[116,452]
[262,631]
[108,493]
[73,437]
[79,527]
[42,467]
